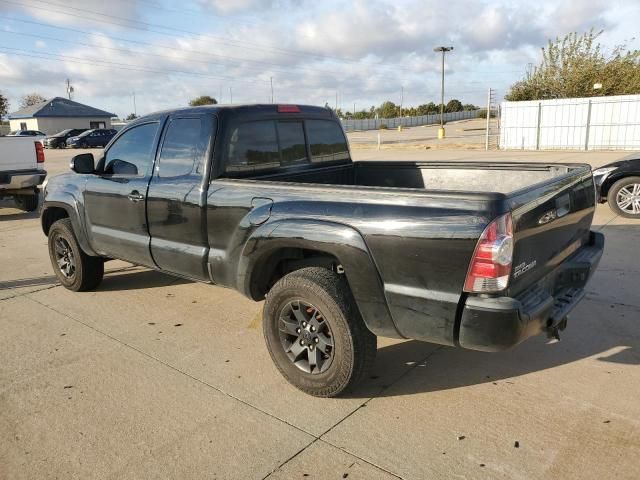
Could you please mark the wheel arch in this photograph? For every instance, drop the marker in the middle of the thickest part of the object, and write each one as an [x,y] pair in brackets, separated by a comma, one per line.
[281,247]
[53,211]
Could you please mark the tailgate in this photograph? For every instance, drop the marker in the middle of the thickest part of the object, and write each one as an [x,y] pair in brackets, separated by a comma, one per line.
[17,153]
[551,221]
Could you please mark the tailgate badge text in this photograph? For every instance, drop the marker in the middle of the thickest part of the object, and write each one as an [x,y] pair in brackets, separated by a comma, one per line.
[524,267]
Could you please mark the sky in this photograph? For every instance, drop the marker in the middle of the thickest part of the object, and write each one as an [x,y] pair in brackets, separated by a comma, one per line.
[145,55]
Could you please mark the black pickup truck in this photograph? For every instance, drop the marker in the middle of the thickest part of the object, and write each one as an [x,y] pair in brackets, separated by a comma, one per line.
[265,199]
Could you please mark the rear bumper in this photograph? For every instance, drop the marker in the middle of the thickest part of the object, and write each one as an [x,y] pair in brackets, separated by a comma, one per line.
[496,324]
[20,180]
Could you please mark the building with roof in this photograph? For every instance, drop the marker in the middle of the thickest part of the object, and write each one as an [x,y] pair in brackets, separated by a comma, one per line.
[57,114]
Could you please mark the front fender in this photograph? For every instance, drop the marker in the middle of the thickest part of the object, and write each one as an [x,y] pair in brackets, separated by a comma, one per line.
[341,241]
[75,211]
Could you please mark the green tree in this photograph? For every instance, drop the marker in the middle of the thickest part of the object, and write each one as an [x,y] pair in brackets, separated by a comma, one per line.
[388,110]
[454,105]
[467,107]
[131,116]
[31,99]
[572,65]
[4,105]
[203,100]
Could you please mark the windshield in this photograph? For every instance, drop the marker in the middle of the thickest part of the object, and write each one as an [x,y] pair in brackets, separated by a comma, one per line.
[84,134]
[62,133]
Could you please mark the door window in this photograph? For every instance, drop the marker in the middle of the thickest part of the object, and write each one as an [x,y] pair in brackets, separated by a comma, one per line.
[181,148]
[132,153]
[292,145]
[327,141]
[253,146]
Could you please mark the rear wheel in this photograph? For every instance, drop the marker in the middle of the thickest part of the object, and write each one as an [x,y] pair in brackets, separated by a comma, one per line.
[75,269]
[315,334]
[28,203]
[624,197]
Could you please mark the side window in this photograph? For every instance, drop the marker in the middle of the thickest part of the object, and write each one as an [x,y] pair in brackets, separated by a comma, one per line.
[131,154]
[327,141]
[181,148]
[292,145]
[252,146]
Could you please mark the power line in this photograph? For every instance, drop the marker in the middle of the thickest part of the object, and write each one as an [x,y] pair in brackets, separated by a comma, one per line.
[131,24]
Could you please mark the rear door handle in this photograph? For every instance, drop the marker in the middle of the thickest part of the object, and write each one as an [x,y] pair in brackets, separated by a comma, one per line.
[136,196]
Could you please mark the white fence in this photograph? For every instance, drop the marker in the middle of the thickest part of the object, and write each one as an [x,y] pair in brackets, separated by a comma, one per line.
[597,123]
[375,123]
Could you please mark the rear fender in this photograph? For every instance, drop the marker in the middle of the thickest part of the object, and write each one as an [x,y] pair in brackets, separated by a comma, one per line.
[342,242]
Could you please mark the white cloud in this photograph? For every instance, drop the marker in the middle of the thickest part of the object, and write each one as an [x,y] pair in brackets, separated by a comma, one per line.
[364,50]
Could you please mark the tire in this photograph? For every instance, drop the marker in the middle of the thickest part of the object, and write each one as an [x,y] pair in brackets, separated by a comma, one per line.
[84,145]
[28,203]
[87,271]
[617,194]
[353,346]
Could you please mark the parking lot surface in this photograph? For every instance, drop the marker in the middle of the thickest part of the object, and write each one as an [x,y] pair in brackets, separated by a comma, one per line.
[156,377]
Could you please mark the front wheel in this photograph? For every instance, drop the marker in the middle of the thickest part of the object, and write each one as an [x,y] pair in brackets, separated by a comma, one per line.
[315,334]
[624,197]
[76,270]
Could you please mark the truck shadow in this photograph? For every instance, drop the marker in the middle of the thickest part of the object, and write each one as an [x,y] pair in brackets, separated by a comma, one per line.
[448,368]
[128,278]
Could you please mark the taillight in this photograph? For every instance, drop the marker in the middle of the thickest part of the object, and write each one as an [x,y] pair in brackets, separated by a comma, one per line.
[39,152]
[288,109]
[490,265]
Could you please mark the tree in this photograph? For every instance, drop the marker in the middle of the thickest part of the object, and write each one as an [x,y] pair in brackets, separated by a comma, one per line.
[4,105]
[467,107]
[31,99]
[202,100]
[572,65]
[454,105]
[388,110]
[131,116]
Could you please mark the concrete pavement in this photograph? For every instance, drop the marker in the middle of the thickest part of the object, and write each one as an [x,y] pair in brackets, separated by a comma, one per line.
[155,377]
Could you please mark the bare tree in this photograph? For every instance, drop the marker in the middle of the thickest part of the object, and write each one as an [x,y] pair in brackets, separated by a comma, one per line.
[4,105]
[31,99]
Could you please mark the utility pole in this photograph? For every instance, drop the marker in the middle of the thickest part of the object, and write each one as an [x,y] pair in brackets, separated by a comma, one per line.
[230,94]
[69,88]
[271,78]
[401,101]
[336,100]
[220,97]
[441,130]
[135,111]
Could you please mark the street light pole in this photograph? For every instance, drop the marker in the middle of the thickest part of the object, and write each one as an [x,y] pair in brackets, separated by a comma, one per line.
[441,130]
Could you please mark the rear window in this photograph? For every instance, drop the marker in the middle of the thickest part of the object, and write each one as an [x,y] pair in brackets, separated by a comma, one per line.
[292,144]
[253,146]
[327,141]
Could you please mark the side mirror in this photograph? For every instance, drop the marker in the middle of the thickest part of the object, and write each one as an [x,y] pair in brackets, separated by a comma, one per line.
[82,163]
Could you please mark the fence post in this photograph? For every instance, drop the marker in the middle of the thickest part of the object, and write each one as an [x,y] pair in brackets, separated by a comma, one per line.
[586,136]
[486,142]
[538,125]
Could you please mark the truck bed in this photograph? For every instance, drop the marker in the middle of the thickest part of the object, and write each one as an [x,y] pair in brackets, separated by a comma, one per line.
[446,176]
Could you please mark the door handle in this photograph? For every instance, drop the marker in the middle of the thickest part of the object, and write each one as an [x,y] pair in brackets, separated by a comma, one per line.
[136,196]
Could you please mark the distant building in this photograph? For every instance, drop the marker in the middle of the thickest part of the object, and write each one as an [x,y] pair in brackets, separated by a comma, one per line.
[58,114]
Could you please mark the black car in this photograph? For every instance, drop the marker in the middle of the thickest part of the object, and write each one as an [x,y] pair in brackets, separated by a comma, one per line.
[265,199]
[619,184]
[59,139]
[98,137]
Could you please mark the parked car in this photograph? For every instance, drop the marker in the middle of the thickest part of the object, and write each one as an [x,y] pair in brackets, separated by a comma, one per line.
[265,199]
[619,184]
[21,170]
[98,137]
[59,139]
[26,133]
